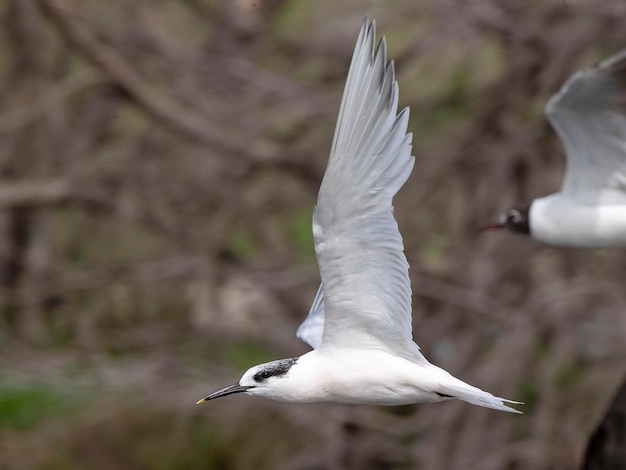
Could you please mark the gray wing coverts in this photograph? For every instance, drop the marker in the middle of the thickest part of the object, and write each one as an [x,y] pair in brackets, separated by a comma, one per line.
[365,297]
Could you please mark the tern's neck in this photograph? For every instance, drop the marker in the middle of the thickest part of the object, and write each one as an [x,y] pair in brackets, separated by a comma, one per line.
[558,220]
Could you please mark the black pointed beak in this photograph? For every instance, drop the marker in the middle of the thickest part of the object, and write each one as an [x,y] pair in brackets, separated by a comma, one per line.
[234,388]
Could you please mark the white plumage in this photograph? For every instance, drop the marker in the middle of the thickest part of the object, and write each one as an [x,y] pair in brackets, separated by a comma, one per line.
[360,321]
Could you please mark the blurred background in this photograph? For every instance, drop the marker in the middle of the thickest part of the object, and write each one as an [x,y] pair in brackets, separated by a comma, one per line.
[160,161]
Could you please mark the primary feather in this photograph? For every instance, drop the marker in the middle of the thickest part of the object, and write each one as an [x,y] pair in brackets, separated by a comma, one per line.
[365,283]
[589,114]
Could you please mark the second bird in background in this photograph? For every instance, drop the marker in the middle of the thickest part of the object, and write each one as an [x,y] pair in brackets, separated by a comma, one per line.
[589,114]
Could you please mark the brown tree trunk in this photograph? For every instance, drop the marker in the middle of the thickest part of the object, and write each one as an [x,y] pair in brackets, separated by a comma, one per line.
[607,446]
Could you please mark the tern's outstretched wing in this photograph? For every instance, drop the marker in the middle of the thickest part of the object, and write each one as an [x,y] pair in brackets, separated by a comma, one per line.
[366,287]
[589,114]
[311,329]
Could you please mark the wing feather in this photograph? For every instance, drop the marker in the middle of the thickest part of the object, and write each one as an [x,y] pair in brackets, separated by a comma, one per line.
[589,114]
[310,331]
[365,297]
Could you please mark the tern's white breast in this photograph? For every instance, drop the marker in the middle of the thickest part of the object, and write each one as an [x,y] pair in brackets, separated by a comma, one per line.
[359,377]
[558,220]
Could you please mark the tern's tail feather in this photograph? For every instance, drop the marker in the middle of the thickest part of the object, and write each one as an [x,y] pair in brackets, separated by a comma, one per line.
[476,396]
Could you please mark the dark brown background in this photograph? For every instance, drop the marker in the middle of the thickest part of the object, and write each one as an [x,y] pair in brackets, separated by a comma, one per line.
[160,160]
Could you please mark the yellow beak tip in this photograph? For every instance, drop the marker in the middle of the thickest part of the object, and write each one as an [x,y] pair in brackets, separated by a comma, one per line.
[202,400]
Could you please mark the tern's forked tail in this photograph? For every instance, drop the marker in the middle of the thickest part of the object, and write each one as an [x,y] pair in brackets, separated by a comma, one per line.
[476,396]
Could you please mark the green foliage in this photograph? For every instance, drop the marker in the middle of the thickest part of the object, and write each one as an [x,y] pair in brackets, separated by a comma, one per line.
[447,111]
[242,244]
[287,22]
[434,254]
[25,406]
[86,243]
[300,235]
[128,436]
[569,375]
[242,356]
[528,394]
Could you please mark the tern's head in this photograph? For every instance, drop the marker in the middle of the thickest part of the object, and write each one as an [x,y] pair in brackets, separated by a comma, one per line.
[515,220]
[265,380]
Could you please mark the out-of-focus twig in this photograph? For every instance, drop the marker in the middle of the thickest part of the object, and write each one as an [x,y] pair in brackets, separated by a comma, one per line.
[35,193]
[41,193]
[159,106]
[14,118]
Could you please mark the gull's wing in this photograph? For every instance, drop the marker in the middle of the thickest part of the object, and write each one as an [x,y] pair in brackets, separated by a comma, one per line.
[366,288]
[589,114]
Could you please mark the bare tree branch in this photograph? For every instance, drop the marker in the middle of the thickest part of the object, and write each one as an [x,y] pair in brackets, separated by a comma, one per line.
[35,193]
[159,106]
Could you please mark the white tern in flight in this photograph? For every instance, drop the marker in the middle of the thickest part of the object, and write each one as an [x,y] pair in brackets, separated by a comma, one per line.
[589,115]
[360,321]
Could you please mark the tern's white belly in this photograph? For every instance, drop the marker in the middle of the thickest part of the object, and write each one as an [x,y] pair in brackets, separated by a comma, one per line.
[362,377]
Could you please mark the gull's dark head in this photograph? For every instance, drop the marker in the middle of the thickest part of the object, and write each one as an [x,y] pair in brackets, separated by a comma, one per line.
[263,380]
[515,220]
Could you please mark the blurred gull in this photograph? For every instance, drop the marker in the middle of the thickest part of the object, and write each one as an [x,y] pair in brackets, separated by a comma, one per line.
[360,321]
[589,114]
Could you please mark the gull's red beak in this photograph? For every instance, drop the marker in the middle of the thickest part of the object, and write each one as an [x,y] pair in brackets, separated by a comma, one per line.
[491,226]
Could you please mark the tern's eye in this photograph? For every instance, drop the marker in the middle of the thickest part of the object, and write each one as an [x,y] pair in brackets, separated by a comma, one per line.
[263,375]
